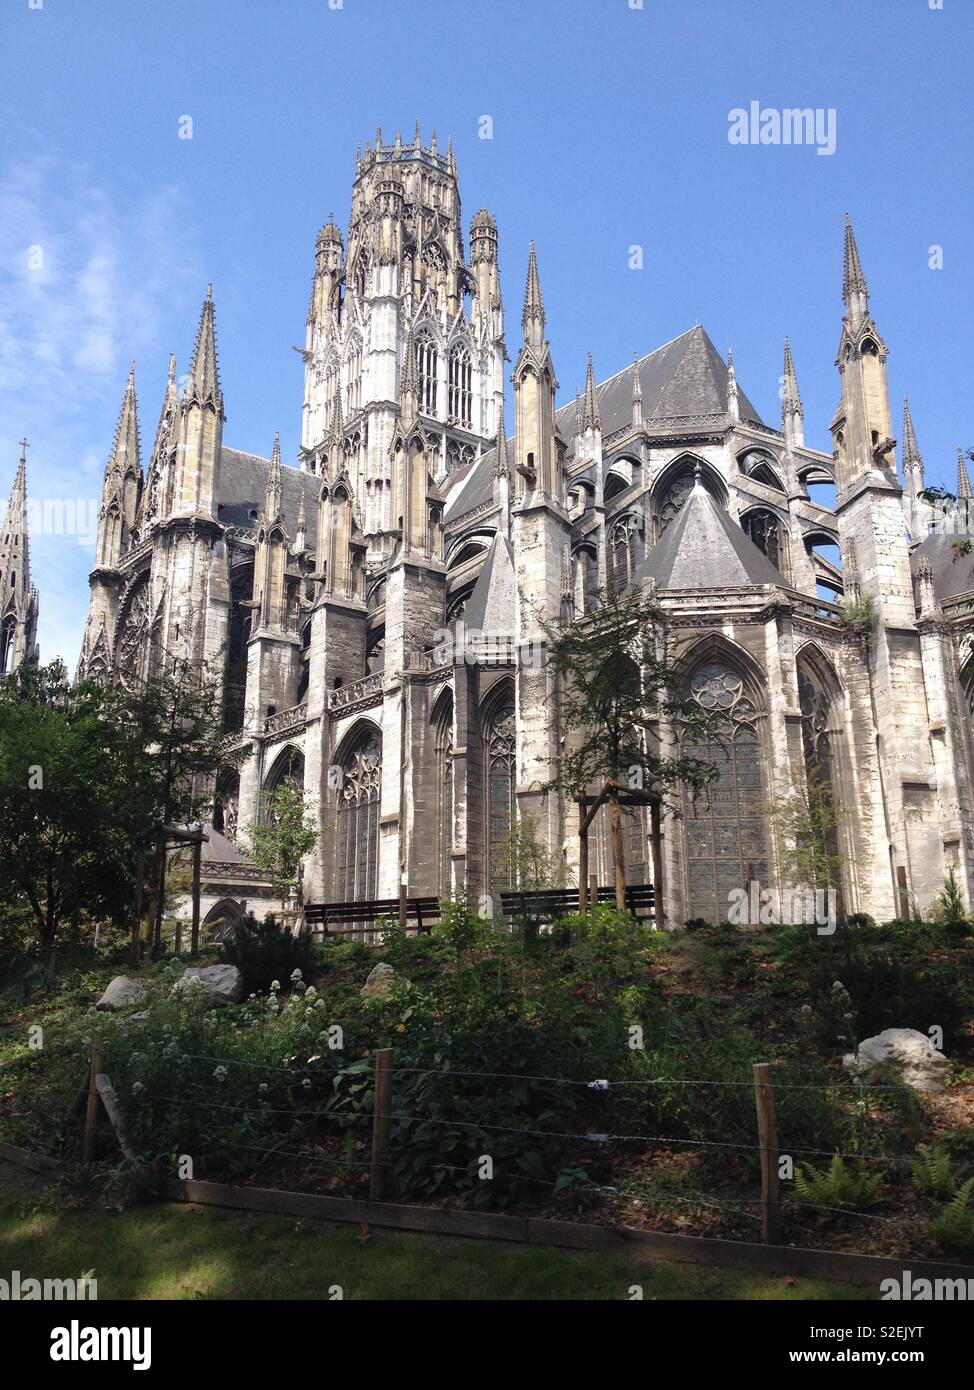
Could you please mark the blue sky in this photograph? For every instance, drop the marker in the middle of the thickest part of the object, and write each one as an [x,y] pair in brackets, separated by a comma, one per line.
[610,129]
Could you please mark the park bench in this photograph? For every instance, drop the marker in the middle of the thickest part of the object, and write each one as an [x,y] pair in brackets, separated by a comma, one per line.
[549,903]
[359,918]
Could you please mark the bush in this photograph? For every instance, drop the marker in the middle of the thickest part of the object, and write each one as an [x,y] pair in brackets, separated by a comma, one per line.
[264,952]
[836,1189]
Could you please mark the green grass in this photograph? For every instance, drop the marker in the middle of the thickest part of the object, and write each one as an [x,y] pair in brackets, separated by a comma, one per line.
[171,1251]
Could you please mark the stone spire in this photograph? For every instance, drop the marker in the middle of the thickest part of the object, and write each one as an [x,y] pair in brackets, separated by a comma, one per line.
[637,394]
[408,387]
[733,399]
[203,386]
[964,490]
[125,458]
[591,420]
[502,462]
[912,460]
[18,600]
[792,411]
[301,531]
[855,291]
[274,491]
[532,315]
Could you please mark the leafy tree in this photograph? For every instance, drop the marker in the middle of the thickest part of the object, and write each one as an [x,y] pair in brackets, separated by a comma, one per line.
[284,836]
[524,859]
[809,821]
[616,691]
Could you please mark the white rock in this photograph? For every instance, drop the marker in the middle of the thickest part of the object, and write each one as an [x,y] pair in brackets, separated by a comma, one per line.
[216,985]
[908,1054]
[122,993]
[380,982]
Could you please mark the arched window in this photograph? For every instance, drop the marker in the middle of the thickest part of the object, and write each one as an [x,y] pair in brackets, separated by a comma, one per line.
[443,767]
[357,828]
[353,388]
[613,486]
[763,528]
[499,767]
[8,633]
[621,557]
[672,500]
[426,368]
[461,393]
[288,767]
[724,830]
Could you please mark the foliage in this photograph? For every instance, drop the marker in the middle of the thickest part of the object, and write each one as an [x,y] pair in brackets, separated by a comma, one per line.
[87,773]
[264,952]
[949,908]
[953,1227]
[616,687]
[808,822]
[933,1173]
[842,1187]
[283,836]
[460,926]
[857,615]
[524,860]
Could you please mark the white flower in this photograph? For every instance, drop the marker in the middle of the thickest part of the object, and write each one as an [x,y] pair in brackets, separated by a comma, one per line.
[220,1074]
[306,1083]
[312,992]
[275,986]
[262,1087]
[137,1087]
[296,974]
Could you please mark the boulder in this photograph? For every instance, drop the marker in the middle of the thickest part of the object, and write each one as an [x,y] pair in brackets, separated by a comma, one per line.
[902,1052]
[216,985]
[380,982]
[122,993]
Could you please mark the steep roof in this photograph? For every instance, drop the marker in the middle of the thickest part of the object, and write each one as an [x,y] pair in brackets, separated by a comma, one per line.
[684,377]
[953,574]
[702,548]
[243,484]
[491,605]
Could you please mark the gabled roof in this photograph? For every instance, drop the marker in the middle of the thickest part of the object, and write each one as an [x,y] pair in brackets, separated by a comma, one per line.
[682,378]
[491,605]
[702,548]
[953,573]
[243,484]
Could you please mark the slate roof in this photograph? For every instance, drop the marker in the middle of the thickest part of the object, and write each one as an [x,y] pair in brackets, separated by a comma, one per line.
[953,574]
[684,377]
[243,482]
[491,605]
[703,548]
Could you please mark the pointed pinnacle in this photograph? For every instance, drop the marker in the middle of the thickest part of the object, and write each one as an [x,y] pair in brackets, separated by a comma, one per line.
[637,388]
[417,141]
[590,416]
[502,463]
[125,452]
[791,401]
[407,383]
[964,489]
[911,449]
[853,278]
[204,374]
[533,311]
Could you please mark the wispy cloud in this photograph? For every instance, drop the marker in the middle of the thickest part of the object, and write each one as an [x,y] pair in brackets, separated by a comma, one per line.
[87,279]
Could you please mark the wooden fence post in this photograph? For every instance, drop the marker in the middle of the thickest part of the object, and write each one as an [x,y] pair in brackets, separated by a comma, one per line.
[91,1114]
[381,1122]
[194,940]
[768,1139]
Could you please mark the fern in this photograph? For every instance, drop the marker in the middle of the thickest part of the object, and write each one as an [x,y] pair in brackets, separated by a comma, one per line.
[837,1188]
[953,1229]
[933,1173]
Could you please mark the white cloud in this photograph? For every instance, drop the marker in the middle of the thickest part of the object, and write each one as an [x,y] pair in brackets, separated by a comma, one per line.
[87,282]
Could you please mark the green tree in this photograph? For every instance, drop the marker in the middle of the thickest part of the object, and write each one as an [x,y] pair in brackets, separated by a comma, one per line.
[283,837]
[808,820]
[616,689]
[524,858]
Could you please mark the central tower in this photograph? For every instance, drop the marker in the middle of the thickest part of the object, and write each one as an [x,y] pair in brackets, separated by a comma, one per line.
[402,285]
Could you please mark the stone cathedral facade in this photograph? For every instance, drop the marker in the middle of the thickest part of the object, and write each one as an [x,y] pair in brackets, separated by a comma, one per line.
[326,596]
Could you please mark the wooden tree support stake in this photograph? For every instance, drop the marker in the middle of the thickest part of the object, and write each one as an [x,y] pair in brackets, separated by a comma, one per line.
[381,1122]
[768,1139]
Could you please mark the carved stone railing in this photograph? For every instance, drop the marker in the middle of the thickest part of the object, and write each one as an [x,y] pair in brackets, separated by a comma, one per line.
[286,721]
[819,610]
[231,870]
[368,688]
[232,741]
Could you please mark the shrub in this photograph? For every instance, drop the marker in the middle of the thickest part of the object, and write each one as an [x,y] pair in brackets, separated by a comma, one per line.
[264,952]
[933,1173]
[836,1189]
[953,1229]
